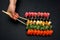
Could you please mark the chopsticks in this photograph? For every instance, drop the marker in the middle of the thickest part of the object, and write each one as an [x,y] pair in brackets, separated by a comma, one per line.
[10,15]
[16,19]
[21,21]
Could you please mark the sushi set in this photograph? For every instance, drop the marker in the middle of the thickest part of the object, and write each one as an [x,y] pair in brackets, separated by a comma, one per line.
[37,23]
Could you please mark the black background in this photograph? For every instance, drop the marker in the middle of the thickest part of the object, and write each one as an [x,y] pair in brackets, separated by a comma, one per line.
[13,30]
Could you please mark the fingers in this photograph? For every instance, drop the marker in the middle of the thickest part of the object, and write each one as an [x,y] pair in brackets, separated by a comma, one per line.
[15,16]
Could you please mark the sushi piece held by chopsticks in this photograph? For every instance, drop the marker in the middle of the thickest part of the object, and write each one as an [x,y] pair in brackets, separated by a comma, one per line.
[11,16]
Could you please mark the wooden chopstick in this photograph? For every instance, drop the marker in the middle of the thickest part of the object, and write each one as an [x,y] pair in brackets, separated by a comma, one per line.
[21,21]
[10,15]
[6,13]
[23,18]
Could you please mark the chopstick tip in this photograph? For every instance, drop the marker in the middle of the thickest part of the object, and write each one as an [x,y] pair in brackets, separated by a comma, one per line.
[3,11]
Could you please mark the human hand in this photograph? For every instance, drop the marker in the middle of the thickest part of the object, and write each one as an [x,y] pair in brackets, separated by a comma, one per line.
[11,10]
